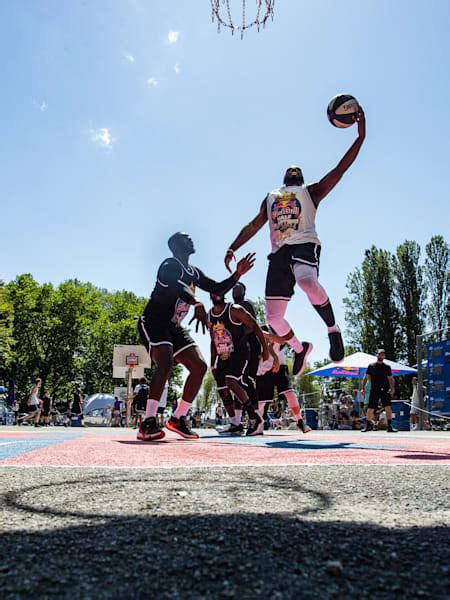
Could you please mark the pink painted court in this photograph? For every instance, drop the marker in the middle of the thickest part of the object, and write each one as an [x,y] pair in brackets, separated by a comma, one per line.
[114,448]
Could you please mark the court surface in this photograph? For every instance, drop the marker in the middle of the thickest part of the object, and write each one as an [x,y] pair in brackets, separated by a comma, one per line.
[92,513]
[89,447]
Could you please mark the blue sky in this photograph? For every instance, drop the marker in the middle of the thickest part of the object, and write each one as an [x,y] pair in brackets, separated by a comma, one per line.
[126,120]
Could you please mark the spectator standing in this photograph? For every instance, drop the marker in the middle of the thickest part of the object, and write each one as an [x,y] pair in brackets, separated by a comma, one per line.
[34,403]
[46,408]
[382,389]
[140,399]
[76,406]
[414,414]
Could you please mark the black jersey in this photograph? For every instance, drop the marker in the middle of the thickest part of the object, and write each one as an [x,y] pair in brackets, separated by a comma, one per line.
[228,336]
[253,341]
[175,288]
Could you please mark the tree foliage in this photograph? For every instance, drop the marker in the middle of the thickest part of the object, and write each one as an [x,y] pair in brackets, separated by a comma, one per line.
[393,298]
[436,273]
[65,334]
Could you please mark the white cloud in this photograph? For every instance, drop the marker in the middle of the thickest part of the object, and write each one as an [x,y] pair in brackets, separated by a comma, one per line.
[152,81]
[42,106]
[173,36]
[130,58]
[102,137]
[177,68]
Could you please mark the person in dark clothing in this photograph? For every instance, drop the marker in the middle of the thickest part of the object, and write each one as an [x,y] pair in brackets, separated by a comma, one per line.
[167,341]
[382,388]
[76,407]
[46,407]
[140,399]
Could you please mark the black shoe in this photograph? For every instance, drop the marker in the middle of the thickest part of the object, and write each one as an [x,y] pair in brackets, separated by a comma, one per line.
[301,358]
[256,427]
[368,427]
[391,429]
[149,430]
[337,351]
[181,427]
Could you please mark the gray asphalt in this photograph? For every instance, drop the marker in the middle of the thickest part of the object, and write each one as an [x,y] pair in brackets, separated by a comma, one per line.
[265,532]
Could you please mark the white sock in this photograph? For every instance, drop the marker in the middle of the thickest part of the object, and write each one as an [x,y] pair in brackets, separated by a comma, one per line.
[235,420]
[152,408]
[238,415]
[333,328]
[182,409]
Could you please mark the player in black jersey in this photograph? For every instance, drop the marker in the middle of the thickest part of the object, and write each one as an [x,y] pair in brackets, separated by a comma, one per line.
[255,347]
[231,352]
[166,340]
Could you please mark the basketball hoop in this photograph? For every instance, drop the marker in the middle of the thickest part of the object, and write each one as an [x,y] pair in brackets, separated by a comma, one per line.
[132,360]
[221,14]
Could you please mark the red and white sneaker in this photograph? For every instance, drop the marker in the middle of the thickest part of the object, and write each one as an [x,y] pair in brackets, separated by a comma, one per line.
[149,430]
[182,427]
[303,427]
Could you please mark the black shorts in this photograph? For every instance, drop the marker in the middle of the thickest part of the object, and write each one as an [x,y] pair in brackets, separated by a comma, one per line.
[280,281]
[266,384]
[45,413]
[379,395]
[235,367]
[253,362]
[156,332]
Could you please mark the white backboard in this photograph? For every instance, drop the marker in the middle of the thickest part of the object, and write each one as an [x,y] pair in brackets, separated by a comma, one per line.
[123,354]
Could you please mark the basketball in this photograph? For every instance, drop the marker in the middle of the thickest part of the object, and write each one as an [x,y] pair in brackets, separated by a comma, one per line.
[342,110]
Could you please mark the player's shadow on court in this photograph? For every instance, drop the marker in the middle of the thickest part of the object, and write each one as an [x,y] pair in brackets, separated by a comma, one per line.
[246,555]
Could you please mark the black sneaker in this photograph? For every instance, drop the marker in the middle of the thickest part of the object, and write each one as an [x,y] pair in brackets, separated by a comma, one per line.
[367,427]
[391,429]
[182,427]
[150,431]
[301,358]
[337,351]
[303,427]
[256,427]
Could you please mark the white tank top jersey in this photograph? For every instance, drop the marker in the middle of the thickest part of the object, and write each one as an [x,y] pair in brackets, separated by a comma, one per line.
[34,400]
[292,215]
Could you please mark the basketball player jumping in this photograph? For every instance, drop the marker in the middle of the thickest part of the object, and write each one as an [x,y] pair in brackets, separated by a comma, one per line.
[167,342]
[291,212]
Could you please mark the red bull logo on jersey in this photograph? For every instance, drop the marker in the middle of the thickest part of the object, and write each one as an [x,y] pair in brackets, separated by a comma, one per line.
[286,214]
[223,340]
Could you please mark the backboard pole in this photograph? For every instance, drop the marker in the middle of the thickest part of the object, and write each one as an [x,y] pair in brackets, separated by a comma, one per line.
[129,394]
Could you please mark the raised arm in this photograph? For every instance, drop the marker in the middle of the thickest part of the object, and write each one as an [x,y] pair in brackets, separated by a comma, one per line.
[220,288]
[246,233]
[319,190]
[241,315]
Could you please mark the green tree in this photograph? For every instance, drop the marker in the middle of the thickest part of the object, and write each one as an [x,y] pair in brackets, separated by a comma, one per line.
[372,315]
[6,332]
[436,275]
[410,294]
[208,393]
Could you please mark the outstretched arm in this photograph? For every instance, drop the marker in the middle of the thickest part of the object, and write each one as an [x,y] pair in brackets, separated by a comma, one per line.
[319,190]
[222,287]
[246,233]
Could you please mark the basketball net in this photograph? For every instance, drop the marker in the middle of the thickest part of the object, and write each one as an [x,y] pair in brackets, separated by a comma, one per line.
[221,14]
